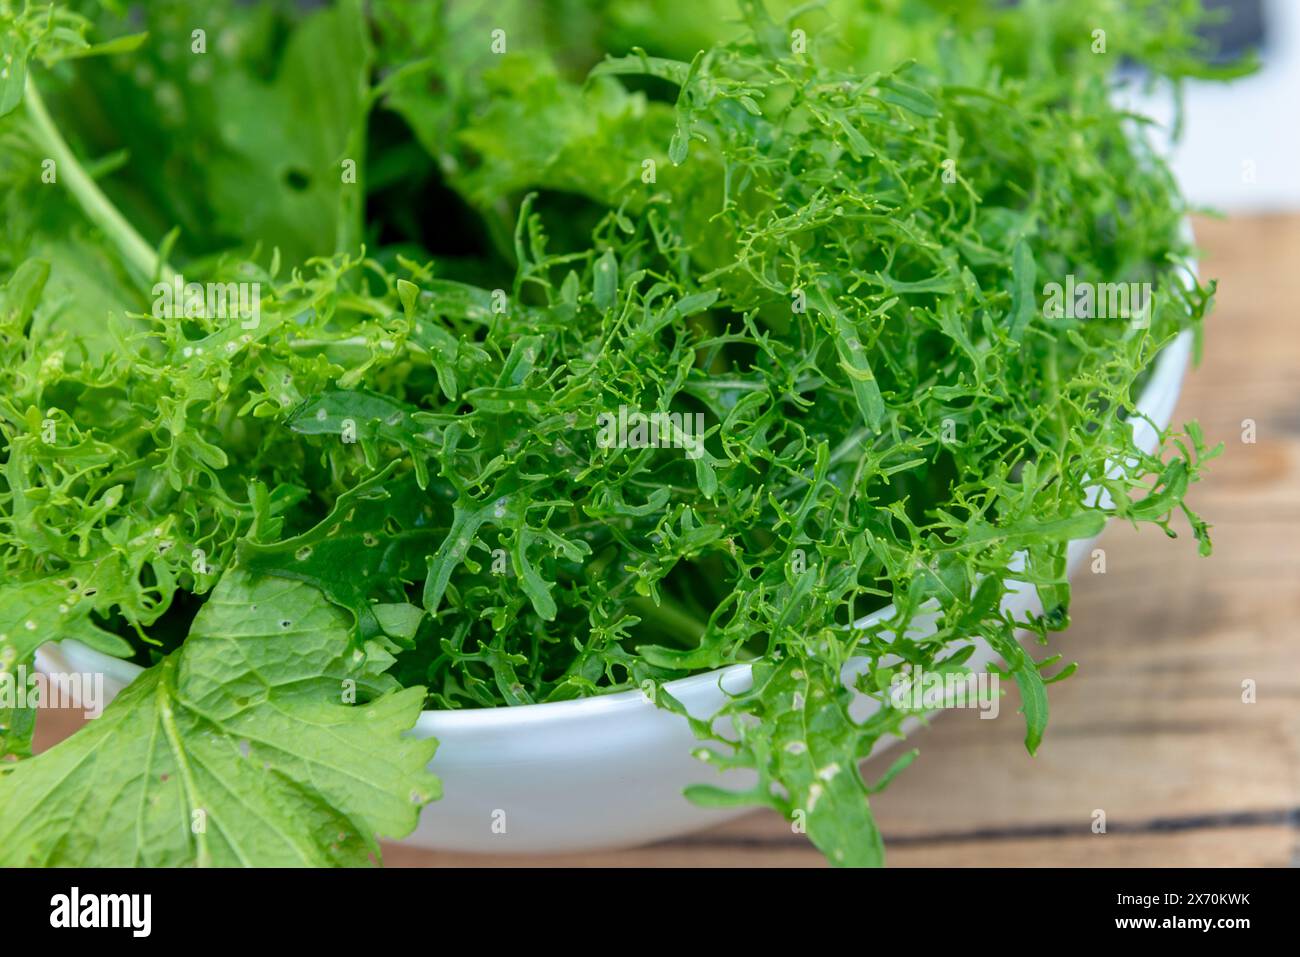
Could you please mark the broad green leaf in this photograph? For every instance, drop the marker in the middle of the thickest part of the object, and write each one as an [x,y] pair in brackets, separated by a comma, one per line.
[236,749]
[13,70]
[377,536]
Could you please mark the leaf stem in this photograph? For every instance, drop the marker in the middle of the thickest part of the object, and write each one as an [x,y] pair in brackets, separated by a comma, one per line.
[98,208]
[670,616]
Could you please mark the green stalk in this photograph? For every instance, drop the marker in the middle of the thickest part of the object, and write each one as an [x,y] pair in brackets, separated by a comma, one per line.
[99,209]
[671,618]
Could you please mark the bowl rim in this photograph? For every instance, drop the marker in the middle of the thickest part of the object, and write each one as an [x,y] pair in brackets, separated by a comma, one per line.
[1154,406]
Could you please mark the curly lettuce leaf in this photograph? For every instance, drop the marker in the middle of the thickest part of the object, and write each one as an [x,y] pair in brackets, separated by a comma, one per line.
[806,749]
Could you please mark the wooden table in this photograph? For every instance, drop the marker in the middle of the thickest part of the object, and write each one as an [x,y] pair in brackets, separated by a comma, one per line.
[1152,730]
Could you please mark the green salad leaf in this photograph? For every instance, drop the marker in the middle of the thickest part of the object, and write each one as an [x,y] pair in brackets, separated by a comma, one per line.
[238,748]
[545,350]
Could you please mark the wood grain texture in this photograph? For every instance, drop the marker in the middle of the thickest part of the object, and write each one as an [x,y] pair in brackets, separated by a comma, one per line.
[1153,730]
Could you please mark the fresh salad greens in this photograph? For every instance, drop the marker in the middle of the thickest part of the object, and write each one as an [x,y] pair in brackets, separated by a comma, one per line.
[328,340]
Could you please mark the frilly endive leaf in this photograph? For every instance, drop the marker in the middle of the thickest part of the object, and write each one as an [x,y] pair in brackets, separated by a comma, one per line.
[806,750]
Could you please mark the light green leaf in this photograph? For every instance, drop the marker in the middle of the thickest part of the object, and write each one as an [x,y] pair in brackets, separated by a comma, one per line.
[236,749]
[1023,300]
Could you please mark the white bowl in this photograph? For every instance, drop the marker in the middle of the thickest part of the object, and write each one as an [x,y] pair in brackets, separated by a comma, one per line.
[607,771]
